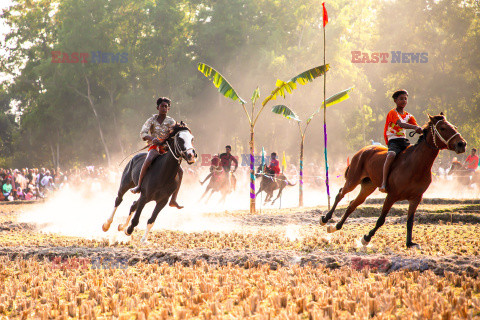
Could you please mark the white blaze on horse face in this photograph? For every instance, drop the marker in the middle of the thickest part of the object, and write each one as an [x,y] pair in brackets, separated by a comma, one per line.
[187,138]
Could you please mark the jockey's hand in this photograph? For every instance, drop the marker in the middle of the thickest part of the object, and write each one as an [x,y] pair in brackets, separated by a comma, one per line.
[156,141]
[419,130]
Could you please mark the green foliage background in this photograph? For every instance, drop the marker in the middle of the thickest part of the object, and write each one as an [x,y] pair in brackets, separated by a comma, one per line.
[252,43]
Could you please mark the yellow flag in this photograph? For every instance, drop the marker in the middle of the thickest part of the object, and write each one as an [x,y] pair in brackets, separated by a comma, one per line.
[284,162]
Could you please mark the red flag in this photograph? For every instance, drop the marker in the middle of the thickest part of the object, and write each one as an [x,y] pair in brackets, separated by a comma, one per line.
[325,15]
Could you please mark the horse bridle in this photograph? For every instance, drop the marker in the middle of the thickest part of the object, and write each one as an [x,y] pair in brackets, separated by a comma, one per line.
[176,149]
[436,133]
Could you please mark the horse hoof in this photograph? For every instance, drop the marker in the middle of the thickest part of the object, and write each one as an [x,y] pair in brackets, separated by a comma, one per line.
[321,222]
[331,229]
[127,233]
[120,227]
[365,242]
[413,245]
[105,227]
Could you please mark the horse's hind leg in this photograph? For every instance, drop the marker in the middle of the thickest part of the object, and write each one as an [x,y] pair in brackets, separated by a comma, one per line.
[123,188]
[140,204]
[349,186]
[160,205]
[387,205]
[367,188]
[121,227]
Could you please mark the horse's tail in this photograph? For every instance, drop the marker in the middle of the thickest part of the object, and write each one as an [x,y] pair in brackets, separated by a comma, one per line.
[289,183]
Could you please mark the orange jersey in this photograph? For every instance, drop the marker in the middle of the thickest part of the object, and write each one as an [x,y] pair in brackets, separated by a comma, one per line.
[392,129]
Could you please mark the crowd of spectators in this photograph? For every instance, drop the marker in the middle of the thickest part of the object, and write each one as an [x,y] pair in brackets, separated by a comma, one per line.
[34,184]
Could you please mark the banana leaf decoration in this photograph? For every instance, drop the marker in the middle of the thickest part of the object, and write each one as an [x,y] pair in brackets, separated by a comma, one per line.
[336,98]
[285,112]
[220,82]
[303,78]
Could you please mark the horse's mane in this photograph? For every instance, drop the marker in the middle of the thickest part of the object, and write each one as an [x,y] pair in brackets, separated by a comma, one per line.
[178,127]
[425,128]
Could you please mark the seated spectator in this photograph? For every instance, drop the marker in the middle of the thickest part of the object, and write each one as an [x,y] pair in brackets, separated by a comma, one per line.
[7,188]
[29,194]
[20,194]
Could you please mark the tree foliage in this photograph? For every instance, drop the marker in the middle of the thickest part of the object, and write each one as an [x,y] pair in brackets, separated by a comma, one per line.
[92,111]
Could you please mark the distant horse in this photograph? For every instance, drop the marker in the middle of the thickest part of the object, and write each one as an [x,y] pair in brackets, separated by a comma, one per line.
[463,175]
[269,183]
[219,183]
[160,181]
[409,177]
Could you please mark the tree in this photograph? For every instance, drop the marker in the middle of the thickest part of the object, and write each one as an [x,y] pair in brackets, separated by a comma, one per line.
[290,114]
[282,87]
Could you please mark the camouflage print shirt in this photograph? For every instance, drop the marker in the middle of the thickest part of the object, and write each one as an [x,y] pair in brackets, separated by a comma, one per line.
[155,129]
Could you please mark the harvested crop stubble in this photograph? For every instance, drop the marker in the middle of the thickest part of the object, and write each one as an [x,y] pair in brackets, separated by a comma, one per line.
[435,240]
[31,288]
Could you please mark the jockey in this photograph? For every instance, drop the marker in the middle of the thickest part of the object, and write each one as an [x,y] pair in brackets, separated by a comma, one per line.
[156,131]
[274,166]
[214,168]
[394,132]
[471,163]
[226,159]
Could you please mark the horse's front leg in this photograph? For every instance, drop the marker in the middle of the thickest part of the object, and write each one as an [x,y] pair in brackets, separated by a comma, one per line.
[160,205]
[279,194]
[140,204]
[413,204]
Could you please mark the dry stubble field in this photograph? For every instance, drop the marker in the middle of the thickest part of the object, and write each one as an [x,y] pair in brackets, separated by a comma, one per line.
[277,264]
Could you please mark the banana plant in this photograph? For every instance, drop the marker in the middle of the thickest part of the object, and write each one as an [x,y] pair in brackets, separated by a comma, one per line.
[281,88]
[288,113]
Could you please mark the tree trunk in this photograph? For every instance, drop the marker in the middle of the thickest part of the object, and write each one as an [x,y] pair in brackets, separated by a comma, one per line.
[110,93]
[300,184]
[58,150]
[252,171]
[97,119]
[53,156]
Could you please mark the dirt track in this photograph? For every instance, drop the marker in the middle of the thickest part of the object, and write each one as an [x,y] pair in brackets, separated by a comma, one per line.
[385,260]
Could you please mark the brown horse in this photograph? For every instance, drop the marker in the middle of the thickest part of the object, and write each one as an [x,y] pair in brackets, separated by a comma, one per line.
[269,184]
[219,183]
[409,177]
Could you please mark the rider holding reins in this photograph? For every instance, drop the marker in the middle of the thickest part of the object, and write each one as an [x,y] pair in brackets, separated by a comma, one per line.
[394,132]
[156,131]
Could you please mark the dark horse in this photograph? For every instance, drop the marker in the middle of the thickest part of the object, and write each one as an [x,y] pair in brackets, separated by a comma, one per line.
[463,176]
[160,181]
[268,184]
[410,174]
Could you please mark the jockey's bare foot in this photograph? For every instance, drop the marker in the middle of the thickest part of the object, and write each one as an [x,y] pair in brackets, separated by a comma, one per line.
[173,203]
[135,190]
[383,189]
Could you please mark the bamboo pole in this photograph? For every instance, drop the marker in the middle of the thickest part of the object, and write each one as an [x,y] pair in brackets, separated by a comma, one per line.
[252,170]
[325,119]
